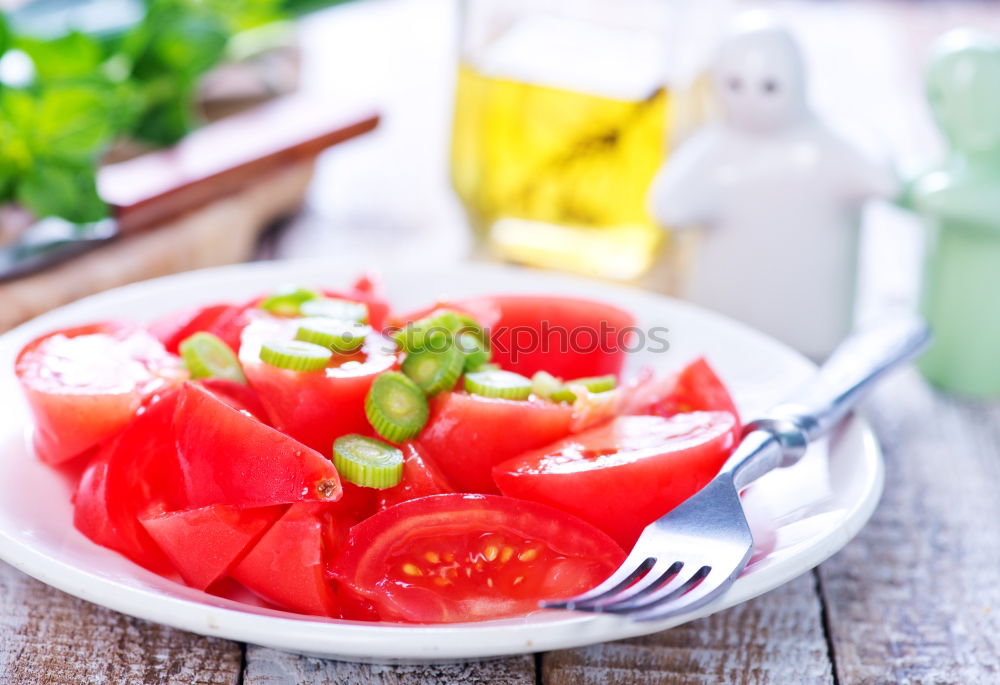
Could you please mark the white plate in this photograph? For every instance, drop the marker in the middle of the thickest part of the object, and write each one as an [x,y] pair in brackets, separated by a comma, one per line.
[803,514]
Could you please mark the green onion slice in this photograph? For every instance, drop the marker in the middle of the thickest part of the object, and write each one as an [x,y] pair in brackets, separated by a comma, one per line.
[288,300]
[336,308]
[396,407]
[434,371]
[544,384]
[438,330]
[206,356]
[338,336]
[295,355]
[476,350]
[591,383]
[367,462]
[504,384]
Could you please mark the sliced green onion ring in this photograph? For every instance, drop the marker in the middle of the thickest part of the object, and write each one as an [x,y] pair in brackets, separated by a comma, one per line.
[367,462]
[396,407]
[336,308]
[503,384]
[434,371]
[295,355]
[288,300]
[206,356]
[338,336]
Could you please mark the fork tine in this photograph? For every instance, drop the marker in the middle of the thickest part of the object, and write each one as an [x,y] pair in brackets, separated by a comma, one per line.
[677,585]
[664,606]
[661,573]
[624,576]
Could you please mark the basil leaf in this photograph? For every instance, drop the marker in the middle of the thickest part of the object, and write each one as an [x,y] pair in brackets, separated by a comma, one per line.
[55,188]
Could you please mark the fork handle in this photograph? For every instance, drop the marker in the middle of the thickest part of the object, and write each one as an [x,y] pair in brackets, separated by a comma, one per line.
[780,437]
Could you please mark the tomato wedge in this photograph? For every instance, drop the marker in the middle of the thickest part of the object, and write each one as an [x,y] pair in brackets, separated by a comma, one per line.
[467,435]
[134,474]
[450,558]
[313,407]
[420,479]
[624,474]
[223,320]
[237,395]
[287,565]
[228,457]
[568,337]
[84,384]
[695,388]
[205,543]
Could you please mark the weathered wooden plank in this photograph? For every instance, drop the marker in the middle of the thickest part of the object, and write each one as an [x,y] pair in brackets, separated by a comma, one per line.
[776,638]
[915,598]
[47,636]
[272,667]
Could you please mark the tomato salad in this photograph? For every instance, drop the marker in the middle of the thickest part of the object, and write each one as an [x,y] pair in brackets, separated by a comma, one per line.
[338,460]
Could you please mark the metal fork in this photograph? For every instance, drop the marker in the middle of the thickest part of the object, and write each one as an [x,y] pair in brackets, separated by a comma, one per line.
[689,557]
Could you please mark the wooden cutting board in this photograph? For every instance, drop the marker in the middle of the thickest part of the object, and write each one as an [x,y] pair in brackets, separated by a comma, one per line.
[202,203]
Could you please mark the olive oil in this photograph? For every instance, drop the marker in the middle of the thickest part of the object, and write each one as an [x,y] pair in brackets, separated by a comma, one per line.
[554,170]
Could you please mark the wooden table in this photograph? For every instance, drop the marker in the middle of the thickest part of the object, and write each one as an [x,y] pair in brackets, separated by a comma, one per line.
[915,598]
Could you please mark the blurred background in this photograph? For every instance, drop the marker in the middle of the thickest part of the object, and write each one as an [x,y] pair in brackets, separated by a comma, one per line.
[510,130]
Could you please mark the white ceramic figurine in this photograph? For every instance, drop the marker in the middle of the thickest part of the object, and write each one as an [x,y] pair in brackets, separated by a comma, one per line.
[776,194]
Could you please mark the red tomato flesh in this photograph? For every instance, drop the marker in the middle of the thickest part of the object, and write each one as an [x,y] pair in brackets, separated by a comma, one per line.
[223,320]
[450,558]
[624,474]
[467,435]
[134,474]
[420,479]
[313,407]
[237,395]
[566,336]
[287,565]
[85,384]
[228,457]
[205,543]
[695,388]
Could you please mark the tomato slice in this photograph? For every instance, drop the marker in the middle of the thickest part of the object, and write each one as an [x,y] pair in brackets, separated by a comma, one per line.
[315,407]
[568,337]
[224,320]
[695,388]
[450,558]
[624,474]
[205,543]
[421,477]
[84,384]
[467,435]
[134,474]
[287,565]
[237,395]
[228,457]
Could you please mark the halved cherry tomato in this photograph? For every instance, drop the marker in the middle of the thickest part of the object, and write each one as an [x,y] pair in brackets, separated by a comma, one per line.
[134,474]
[624,474]
[228,457]
[314,407]
[205,543]
[84,384]
[449,558]
[695,388]
[467,435]
[421,477]
[566,336]
[287,565]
